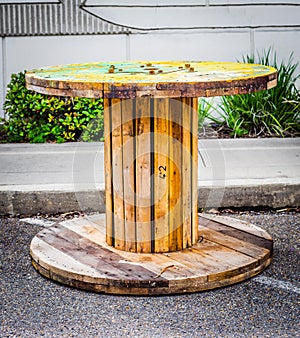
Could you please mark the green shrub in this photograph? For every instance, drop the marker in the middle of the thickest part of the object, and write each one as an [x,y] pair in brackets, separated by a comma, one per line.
[37,118]
[273,112]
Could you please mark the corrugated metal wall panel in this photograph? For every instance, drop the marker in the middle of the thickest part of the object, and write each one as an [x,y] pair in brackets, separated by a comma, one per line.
[65,18]
[77,17]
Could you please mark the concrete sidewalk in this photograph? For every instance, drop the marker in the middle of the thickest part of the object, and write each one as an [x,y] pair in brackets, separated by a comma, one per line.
[52,178]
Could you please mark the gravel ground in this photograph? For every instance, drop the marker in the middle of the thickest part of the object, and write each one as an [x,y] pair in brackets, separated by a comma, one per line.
[265,306]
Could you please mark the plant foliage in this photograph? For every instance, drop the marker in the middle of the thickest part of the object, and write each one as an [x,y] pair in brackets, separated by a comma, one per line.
[273,112]
[38,118]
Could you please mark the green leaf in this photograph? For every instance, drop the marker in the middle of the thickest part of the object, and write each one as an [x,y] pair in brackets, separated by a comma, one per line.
[29,114]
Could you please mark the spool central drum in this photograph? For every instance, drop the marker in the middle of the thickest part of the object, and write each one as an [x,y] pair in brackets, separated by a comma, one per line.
[151,168]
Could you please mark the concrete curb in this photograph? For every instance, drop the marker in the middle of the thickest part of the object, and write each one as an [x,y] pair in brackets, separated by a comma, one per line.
[232,173]
[55,201]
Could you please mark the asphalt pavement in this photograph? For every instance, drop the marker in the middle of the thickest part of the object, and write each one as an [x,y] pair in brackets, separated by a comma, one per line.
[37,181]
[264,306]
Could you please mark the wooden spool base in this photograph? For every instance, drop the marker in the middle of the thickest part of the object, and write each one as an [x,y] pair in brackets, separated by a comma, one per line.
[75,253]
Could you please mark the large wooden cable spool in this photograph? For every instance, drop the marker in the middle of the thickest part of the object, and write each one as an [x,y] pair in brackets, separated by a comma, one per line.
[148,241]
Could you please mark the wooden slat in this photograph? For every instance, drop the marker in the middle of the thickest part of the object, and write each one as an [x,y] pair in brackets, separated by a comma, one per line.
[91,254]
[143,175]
[128,126]
[174,174]
[238,224]
[211,258]
[248,249]
[194,166]
[161,199]
[228,263]
[80,250]
[54,258]
[155,263]
[117,174]
[108,172]
[237,233]
[236,275]
[186,173]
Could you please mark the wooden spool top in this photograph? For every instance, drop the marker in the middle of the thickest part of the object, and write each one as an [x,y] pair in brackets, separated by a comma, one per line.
[156,79]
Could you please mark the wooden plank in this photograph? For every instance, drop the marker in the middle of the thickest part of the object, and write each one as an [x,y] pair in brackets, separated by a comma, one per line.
[230,263]
[53,258]
[117,174]
[91,254]
[225,258]
[143,175]
[246,248]
[236,275]
[80,251]
[201,266]
[211,258]
[155,263]
[90,228]
[240,234]
[128,126]
[194,165]
[108,172]
[174,174]
[238,224]
[161,199]
[186,173]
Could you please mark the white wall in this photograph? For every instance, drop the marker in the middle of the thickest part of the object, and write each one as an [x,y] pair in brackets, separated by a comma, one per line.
[257,27]
[195,45]
[2,78]
[284,42]
[35,52]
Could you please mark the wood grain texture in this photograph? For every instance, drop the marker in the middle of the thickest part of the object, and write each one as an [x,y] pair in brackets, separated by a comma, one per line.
[151,155]
[239,230]
[128,127]
[143,175]
[161,180]
[75,253]
[175,176]
[156,79]
[186,173]
[194,167]
[117,174]
[108,171]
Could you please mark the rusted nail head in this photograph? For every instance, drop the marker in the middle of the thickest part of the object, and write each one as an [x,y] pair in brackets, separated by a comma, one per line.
[151,72]
[148,64]
[191,69]
[187,65]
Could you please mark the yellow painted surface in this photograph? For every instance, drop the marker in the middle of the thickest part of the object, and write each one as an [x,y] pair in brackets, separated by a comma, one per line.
[144,72]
